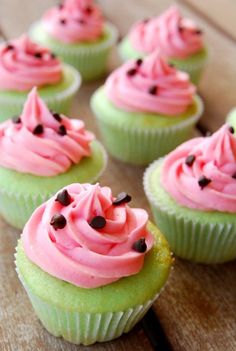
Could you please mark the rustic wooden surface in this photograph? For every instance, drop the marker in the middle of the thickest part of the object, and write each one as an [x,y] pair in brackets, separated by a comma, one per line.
[197,310]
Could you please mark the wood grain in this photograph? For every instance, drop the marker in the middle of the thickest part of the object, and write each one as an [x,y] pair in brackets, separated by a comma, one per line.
[198,307]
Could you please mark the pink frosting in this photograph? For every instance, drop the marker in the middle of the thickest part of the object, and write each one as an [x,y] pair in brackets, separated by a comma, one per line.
[24,64]
[151,85]
[74,21]
[215,159]
[43,154]
[80,254]
[172,34]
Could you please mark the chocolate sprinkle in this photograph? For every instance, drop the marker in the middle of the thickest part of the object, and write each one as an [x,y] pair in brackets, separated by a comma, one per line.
[62,21]
[62,130]
[234,175]
[131,72]
[64,198]
[38,55]
[203,181]
[98,222]
[38,129]
[152,90]
[189,160]
[16,120]
[231,129]
[57,116]
[58,221]
[139,62]
[122,198]
[140,245]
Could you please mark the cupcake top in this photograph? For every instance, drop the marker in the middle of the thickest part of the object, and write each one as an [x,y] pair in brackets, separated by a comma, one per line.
[201,173]
[74,21]
[25,64]
[41,142]
[173,35]
[150,85]
[85,236]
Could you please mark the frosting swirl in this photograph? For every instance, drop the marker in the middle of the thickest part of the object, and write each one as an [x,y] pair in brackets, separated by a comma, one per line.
[24,64]
[201,173]
[173,35]
[74,21]
[79,253]
[151,85]
[41,142]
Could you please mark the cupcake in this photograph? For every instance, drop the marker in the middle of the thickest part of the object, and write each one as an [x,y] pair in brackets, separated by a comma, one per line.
[145,109]
[192,193]
[179,39]
[91,267]
[40,152]
[23,65]
[76,31]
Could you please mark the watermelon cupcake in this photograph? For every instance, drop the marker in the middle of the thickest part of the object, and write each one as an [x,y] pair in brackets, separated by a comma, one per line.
[76,31]
[40,152]
[25,64]
[145,109]
[179,39]
[192,193]
[92,266]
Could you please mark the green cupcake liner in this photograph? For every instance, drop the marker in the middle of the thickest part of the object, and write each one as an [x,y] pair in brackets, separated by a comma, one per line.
[194,65]
[21,193]
[85,328]
[204,237]
[58,97]
[142,145]
[90,59]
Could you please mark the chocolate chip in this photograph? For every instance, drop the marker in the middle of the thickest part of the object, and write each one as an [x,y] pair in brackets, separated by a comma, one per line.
[140,245]
[88,10]
[57,116]
[62,130]
[64,198]
[58,221]
[189,160]
[63,21]
[139,62]
[10,47]
[16,120]
[231,129]
[152,90]
[131,72]
[53,56]
[203,181]
[198,31]
[38,129]
[98,222]
[181,29]
[234,175]
[38,55]
[171,65]
[122,198]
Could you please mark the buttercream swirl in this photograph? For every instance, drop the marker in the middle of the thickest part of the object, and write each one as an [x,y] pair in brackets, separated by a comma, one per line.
[173,35]
[80,254]
[42,143]
[208,183]
[25,64]
[151,85]
[74,21]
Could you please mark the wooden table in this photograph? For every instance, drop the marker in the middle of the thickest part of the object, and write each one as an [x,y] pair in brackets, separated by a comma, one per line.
[197,310]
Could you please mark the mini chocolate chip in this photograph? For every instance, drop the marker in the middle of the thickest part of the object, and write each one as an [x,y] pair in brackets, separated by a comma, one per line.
[57,116]
[53,56]
[139,62]
[81,21]
[231,129]
[203,181]
[181,29]
[171,65]
[38,129]
[16,120]
[146,20]
[140,245]
[234,175]
[60,6]
[58,221]
[64,198]
[122,198]
[189,160]
[98,222]
[62,130]
[88,10]
[152,90]
[198,31]
[62,21]
[131,72]
[10,47]
[38,55]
